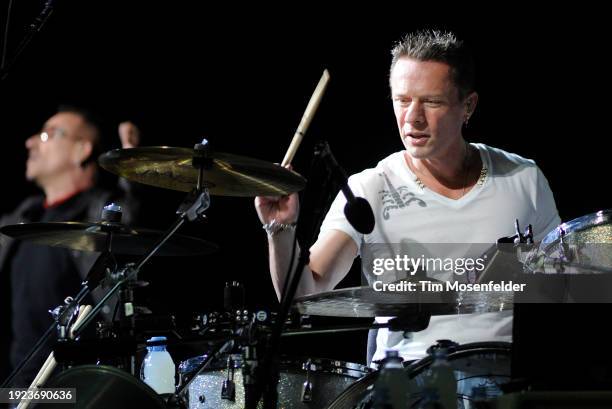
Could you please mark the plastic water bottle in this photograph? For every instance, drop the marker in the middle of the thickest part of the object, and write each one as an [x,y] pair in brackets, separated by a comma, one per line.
[442,385]
[158,368]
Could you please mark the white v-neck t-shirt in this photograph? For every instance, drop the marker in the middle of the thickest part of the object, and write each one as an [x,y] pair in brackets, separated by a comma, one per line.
[415,217]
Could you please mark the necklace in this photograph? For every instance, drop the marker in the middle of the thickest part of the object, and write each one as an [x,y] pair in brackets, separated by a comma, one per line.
[481,179]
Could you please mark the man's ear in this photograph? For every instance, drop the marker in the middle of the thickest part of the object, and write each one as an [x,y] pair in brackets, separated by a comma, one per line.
[83,150]
[470,103]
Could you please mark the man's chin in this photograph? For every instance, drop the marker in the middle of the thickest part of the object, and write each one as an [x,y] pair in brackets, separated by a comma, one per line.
[32,177]
[417,153]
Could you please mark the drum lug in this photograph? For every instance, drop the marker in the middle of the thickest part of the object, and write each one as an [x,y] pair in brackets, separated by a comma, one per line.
[307,386]
[228,391]
[307,391]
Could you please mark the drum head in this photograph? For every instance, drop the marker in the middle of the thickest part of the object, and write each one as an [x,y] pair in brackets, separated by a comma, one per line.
[103,387]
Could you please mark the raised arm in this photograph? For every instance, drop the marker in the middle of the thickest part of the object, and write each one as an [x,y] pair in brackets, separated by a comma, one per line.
[331,256]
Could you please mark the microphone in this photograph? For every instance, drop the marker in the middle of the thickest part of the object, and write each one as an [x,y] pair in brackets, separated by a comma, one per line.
[357,210]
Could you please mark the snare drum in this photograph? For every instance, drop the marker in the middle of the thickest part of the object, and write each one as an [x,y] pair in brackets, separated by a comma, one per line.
[304,383]
[480,368]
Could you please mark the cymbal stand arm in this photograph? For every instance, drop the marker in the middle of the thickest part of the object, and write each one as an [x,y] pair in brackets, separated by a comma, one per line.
[130,271]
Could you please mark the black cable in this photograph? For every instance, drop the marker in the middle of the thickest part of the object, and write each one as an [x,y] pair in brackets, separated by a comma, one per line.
[290,268]
[6,33]
[34,28]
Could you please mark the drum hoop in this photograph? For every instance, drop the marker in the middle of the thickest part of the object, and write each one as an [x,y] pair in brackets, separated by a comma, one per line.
[461,351]
[577,225]
[364,383]
[105,371]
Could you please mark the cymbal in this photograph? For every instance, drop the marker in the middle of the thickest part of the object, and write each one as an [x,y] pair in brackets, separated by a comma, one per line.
[366,302]
[93,237]
[225,174]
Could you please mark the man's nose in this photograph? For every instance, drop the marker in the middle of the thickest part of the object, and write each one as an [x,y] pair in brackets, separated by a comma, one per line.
[32,141]
[414,113]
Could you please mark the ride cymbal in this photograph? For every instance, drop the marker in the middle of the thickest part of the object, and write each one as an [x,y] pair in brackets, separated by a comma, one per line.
[224,174]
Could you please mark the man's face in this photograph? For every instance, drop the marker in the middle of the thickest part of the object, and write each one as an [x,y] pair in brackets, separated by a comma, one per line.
[427,108]
[55,150]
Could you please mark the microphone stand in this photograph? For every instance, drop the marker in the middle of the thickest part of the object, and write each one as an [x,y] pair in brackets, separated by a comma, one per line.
[34,28]
[270,365]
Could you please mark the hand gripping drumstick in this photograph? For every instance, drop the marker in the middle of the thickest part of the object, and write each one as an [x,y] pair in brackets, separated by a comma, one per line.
[311,108]
[51,363]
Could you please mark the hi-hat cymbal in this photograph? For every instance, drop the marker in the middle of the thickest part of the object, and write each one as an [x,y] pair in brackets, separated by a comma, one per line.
[94,237]
[225,174]
[366,302]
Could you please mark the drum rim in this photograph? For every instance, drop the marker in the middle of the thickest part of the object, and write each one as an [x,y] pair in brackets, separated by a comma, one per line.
[459,351]
[105,370]
[364,383]
[576,225]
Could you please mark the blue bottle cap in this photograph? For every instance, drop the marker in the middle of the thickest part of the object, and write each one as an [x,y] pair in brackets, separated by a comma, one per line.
[155,341]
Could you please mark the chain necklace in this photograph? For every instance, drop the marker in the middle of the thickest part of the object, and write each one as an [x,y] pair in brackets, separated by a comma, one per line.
[466,166]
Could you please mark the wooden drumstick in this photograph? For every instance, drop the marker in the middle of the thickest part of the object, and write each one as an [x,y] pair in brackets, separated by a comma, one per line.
[83,313]
[311,108]
[50,364]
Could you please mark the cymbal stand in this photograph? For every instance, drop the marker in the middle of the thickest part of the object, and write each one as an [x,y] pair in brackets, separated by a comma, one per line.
[192,209]
[64,314]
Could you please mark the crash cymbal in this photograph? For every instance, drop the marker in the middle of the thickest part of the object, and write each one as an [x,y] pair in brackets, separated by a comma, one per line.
[366,302]
[94,236]
[224,174]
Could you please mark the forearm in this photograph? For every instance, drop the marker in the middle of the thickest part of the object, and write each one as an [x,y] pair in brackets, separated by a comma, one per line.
[280,247]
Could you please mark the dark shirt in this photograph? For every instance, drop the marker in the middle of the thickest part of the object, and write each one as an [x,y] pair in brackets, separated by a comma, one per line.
[41,278]
[34,279]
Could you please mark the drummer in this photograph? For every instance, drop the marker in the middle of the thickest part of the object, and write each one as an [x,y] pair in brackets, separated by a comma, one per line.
[438,189]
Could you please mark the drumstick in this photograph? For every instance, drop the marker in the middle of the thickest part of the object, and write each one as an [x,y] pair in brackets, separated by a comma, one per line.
[50,364]
[83,312]
[311,108]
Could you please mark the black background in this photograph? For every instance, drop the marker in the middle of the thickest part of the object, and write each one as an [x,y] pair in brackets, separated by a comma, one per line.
[241,77]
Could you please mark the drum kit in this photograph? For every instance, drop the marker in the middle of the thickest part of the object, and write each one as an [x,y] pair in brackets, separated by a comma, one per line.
[237,338]
[241,367]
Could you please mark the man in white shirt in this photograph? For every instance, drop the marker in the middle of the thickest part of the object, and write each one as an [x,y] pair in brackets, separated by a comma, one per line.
[440,189]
